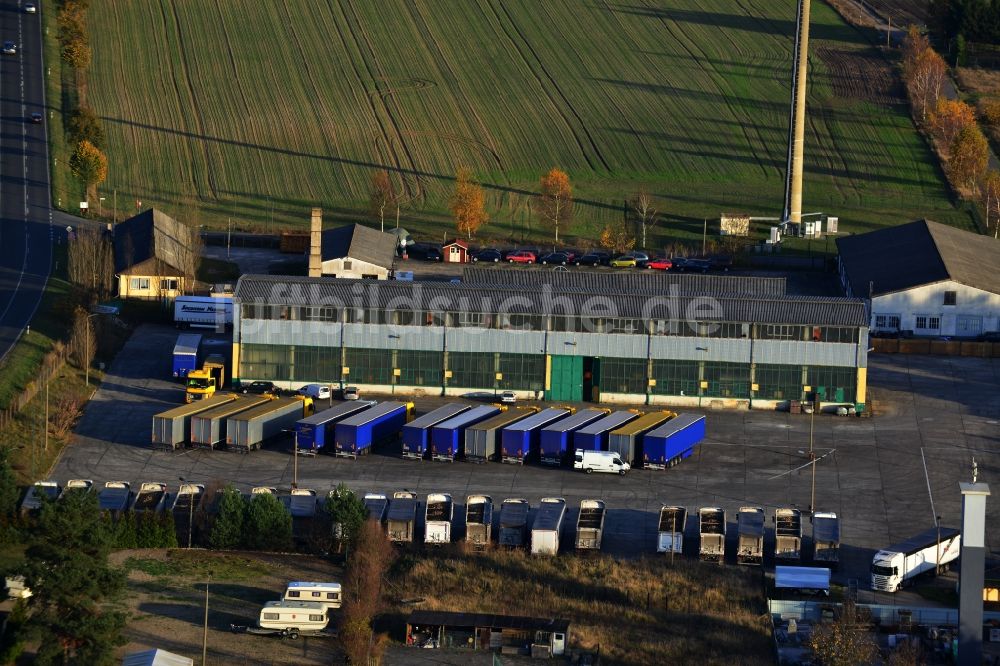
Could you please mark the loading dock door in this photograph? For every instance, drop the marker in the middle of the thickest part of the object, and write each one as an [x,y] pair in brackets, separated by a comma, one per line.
[567,378]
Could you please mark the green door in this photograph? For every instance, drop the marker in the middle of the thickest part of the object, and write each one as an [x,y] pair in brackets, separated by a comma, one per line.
[567,378]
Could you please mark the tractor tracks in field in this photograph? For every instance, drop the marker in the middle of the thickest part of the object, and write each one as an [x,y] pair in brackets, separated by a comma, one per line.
[390,128]
[557,98]
[199,118]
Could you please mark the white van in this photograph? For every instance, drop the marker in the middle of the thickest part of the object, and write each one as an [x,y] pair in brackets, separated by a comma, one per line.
[600,461]
[293,616]
[316,391]
[328,594]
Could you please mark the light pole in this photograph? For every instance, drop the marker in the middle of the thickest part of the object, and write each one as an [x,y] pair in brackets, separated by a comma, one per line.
[204,636]
[937,547]
[190,512]
[812,459]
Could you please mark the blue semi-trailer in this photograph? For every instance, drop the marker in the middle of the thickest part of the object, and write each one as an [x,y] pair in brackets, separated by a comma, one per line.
[417,433]
[519,441]
[556,440]
[668,444]
[314,433]
[448,437]
[357,434]
[594,436]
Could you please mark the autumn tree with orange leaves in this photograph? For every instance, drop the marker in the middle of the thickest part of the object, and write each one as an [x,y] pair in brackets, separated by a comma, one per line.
[924,72]
[468,204]
[90,165]
[989,189]
[949,118]
[556,206]
[970,155]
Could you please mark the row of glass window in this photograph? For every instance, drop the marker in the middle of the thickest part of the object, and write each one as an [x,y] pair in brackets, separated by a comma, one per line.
[559,323]
[487,370]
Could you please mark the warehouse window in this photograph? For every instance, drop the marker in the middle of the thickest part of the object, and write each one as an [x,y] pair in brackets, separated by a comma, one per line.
[950,298]
[521,371]
[623,375]
[833,384]
[780,332]
[927,323]
[836,334]
[675,377]
[369,366]
[564,324]
[887,322]
[778,382]
[419,368]
[472,369]
[727,380]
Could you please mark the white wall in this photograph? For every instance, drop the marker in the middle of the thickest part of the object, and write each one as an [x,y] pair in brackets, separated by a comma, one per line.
[358,269]
[928,300]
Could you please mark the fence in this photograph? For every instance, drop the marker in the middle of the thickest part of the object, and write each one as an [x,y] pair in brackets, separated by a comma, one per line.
[940,347]
[52,364]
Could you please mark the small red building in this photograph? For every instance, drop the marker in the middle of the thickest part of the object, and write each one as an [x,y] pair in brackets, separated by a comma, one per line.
[455,251]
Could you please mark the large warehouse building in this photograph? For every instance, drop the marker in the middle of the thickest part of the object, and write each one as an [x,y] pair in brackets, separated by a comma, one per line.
[610,337]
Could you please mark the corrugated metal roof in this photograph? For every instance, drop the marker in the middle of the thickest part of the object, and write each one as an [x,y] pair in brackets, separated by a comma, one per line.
[156,658]
[634,282]
[442,413]
[609,422]
[337,412]
[540,420]
[675,424]
[447,297]
[922,252]
[152,234]
[576,421]
[486,620]
[504,418]
[643,423]
[474,415]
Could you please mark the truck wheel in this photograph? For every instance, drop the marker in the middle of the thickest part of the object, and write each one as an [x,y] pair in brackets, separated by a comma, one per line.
[293,634]
[590,471]
[621,472]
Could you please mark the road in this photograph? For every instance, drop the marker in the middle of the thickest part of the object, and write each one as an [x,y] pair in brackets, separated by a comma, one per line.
[25,205]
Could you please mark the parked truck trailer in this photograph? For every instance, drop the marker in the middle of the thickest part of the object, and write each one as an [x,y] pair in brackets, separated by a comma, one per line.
[173,427]
[417,433]
[826,538]
[929,552]
[249,430]
[447,437]
[627,440]
[208,428]
[439,511]
[478,519]
[670,531]
[514,522]
[401,520]
[115,497]
[482,440]
[750,532]
[37,493]
[314,433]
[358,434]
[668,444]
[556,440]
[787,536]
[186,352]
[519,442]
[590,524]
[376,504]
[151,498]
[594,436]
[712,534]
[186,502]
[546,530]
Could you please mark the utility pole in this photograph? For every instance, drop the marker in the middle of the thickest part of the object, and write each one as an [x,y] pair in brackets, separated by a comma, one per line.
[704,235]
[46,447]
[888,32]
[812,458]
[204,636]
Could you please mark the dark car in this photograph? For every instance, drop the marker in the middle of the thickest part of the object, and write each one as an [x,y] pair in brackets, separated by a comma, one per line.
[260,388]
[425,252]
[488,255]
[36,117]
[591,259]
[556,258]
[695,266]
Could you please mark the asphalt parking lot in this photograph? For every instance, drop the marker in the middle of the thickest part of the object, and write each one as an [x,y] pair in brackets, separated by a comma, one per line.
[880,474]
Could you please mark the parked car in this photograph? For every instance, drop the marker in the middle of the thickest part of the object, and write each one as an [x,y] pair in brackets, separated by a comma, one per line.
[350,393]
[30,8]
[591,259]
[508,397]
[695,266]
[425,252]
[623,261]
[36,117]
[316,391]
[9,48]
[641,258]
[487,255]
[260,387]
[660,264]
[557,258]
[521,257]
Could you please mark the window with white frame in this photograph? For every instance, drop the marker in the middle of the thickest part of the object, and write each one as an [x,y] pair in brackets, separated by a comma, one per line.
[887,322]
[927,323]
[139,283]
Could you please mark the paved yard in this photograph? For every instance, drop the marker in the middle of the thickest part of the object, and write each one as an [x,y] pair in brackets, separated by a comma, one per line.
[933,415]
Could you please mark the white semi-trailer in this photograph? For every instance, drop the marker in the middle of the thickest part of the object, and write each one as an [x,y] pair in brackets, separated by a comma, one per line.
[896,566]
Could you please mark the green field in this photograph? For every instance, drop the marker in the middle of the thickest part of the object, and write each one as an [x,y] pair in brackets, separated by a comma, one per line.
[256,111]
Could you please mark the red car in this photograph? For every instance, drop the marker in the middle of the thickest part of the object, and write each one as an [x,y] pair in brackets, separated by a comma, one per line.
[660,264]
[521,257]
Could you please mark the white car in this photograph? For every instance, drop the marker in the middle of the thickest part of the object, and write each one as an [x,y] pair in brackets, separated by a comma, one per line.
[508,397]
[30,8]
[9,48]
[316,391]
[351,393]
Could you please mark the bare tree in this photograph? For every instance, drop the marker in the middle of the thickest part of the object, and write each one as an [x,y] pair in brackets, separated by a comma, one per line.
[82,339]
[368,563]
[990,191]
[382,196]
[646,215]
[91,262]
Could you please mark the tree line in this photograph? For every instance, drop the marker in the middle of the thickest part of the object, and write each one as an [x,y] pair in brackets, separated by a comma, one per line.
[965,20]
[951,126]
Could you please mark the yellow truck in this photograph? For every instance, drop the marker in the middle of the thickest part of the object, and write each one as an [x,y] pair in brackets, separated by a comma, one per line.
[205,382]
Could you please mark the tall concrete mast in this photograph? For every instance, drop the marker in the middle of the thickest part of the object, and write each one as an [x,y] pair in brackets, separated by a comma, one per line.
[797,119]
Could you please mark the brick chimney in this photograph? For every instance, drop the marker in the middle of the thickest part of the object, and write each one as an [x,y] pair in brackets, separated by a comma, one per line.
[315,243]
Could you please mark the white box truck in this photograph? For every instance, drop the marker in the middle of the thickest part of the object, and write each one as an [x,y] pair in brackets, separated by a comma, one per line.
[203,311]
[438,514]
[896,566]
